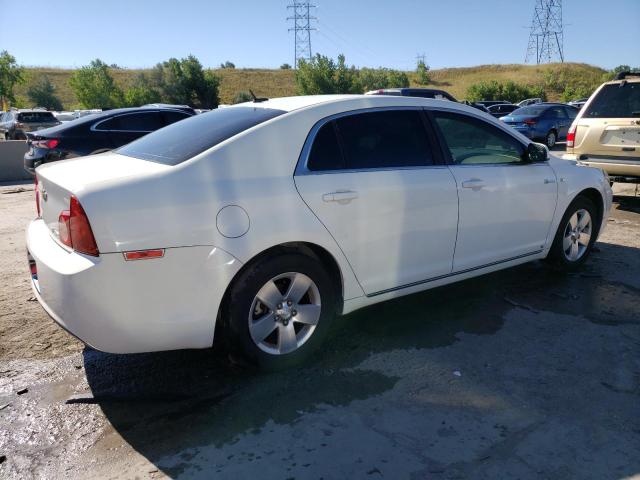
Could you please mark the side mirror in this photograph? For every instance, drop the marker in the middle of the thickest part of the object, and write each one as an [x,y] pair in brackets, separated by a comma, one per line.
[537,153]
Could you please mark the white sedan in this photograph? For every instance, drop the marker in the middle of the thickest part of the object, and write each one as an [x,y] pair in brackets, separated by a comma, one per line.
[270,217]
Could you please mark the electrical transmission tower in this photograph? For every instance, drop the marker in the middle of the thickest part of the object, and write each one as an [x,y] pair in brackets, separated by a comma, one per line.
[302,28]
[546,37]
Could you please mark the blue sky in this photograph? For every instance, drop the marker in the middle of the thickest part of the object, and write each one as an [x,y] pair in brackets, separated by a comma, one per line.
[253,33]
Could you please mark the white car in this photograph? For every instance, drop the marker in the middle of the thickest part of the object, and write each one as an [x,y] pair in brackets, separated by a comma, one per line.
[269,218]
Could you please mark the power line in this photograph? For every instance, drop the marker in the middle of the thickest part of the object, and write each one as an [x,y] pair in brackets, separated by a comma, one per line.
[546,36]
[302,28]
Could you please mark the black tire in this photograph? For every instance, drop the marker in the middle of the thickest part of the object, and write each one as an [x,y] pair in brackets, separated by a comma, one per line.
[239,301]
[551,139]
[557,256]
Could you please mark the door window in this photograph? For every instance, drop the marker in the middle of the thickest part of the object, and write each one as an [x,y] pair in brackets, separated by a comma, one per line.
[384,139]
[556,113]
[472,141]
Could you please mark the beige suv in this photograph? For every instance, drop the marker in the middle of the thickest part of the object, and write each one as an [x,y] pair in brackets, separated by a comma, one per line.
[606,132]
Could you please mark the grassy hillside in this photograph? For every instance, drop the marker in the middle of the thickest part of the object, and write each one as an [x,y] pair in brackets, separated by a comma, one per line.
[276,83]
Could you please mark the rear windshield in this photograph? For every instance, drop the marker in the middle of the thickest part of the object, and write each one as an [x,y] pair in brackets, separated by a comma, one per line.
[616,101]
[183,140]
[36,117]
[532,111]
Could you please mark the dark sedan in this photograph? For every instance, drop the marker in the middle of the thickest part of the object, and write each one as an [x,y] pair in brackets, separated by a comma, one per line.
[502,109]
[96,133]
[543,121]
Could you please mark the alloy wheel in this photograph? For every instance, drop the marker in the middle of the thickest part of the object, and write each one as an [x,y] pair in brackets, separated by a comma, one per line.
[577,235]
[551,139]
[284,313]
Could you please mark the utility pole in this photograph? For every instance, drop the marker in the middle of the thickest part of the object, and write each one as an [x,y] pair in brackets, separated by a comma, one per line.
[546,36]
[302,28]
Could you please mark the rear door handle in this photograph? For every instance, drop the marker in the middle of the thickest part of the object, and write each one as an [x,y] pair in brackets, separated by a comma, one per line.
[344,196]
[473,183]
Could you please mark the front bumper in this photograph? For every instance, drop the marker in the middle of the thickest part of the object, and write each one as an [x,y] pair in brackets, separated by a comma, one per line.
[130,307]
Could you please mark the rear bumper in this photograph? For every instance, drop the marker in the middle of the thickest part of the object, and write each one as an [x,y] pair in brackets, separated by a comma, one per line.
[614,166]
[131,307]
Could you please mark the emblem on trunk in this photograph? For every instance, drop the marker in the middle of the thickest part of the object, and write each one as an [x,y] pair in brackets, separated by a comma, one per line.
[45,195]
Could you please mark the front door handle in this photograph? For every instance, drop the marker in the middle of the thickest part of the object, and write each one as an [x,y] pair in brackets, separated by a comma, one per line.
[343,196]
[473,183]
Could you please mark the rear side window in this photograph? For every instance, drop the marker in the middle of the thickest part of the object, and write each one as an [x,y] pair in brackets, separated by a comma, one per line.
[173,117]
[616,101]
[472,141]
[325,153]
[36,117]
[183,140]
[384,139]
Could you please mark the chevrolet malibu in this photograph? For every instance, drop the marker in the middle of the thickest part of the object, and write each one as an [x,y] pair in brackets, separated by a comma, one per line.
[264,220]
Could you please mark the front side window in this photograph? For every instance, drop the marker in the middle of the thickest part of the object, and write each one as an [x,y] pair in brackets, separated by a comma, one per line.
[556,113]
[616,101]
[472,141]
[187,138]
[384,139]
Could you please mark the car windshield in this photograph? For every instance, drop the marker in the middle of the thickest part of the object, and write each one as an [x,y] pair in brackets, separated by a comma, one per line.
[36,117]
[183,140]
[616,101]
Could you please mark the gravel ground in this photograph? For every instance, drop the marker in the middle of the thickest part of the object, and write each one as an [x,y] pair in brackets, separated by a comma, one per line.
[524,373]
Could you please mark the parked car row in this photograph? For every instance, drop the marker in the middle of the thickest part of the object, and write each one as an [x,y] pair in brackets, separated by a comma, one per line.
[98,133]
[15,124]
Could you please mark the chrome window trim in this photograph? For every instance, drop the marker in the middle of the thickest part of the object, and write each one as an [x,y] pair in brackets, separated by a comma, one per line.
[303,159]
[94,127]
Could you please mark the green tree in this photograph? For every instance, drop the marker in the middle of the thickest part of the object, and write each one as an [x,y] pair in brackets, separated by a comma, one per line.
[186,82]
[227,64]
[94,86]
[285,66]
[510,91]
[422,71]
[42,93]
[321,75]
[11,74]
[377,78]
[141,92]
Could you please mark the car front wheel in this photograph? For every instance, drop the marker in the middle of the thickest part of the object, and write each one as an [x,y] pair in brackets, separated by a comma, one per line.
[576,234]
[278,311]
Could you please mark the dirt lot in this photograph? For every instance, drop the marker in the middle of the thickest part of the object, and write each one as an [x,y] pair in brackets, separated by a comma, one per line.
[520,374]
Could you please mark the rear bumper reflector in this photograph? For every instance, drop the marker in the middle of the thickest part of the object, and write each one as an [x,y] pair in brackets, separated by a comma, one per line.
[143,254]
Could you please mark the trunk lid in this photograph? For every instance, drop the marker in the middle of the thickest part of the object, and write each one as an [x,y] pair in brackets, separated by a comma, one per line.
[59,180]
[613,136]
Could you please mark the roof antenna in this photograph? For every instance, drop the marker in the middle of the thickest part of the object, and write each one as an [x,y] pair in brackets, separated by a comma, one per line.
[257,99]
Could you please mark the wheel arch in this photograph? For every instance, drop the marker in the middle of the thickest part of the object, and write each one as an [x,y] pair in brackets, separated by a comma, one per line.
[596,197]
[307,248]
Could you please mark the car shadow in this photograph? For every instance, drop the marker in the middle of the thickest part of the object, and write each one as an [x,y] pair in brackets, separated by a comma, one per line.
[164,403]
[628,203]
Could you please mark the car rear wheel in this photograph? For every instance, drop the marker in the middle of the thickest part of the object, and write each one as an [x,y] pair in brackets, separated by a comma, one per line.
[278,311]
[576,235]
[551,139]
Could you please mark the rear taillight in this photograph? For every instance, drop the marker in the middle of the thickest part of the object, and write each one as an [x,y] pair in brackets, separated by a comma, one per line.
[75,231]
[529,122]
[37,189]
[571,137]
[64,228]
[50,143]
